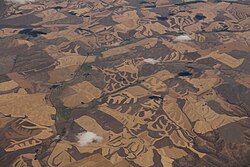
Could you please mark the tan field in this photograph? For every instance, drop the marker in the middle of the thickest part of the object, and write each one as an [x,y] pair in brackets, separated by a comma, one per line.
[122,83]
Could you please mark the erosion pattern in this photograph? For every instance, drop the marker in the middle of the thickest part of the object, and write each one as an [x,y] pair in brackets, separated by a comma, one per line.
[161,83]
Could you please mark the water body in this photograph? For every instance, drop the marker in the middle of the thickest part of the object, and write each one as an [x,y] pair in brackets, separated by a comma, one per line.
[184,73]
[31,32]
[162,18]
[200,16]
[150,6]
[155,97]
[58,8]
[72,13]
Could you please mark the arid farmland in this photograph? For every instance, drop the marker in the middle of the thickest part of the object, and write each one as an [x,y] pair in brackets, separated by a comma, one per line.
[125,83]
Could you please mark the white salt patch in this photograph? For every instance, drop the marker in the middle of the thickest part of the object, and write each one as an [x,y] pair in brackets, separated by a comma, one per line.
[151,61]
[183,38]
[86,138]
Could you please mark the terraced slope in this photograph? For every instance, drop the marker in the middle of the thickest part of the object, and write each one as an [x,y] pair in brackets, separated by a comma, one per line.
[125,83]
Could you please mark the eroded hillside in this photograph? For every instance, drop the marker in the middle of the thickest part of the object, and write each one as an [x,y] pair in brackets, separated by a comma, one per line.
[125,83]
